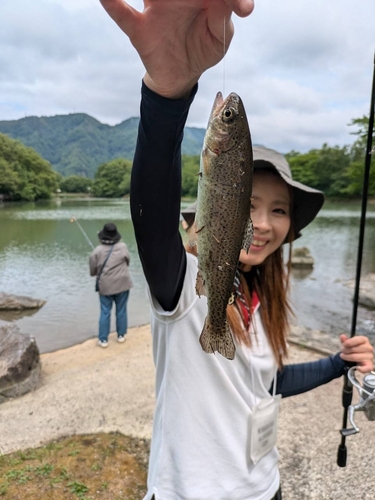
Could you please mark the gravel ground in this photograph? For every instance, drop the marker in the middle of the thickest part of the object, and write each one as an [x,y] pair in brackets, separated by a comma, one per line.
[87,389]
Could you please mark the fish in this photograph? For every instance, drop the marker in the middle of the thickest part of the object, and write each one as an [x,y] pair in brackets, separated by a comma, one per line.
[223,224]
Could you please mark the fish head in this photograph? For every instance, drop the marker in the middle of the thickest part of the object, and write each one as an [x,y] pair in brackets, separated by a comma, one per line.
[227,125]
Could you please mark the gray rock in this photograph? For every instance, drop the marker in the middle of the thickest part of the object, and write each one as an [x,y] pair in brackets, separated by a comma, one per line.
[20,369]
[366,290]
[19,302]
[301,258]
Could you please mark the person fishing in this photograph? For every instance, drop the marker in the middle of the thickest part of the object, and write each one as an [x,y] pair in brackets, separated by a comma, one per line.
[109,262]
[215,421]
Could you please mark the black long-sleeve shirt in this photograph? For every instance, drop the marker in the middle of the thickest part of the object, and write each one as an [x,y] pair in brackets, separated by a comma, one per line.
[155,208]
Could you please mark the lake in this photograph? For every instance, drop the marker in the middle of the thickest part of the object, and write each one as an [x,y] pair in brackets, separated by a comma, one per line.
[44,255]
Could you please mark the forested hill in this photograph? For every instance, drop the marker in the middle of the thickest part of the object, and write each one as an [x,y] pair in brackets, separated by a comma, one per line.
[76,144]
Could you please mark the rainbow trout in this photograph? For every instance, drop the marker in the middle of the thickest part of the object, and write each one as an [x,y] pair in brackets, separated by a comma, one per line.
[223,223]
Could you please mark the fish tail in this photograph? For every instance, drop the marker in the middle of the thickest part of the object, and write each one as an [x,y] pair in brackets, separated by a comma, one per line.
[221,341]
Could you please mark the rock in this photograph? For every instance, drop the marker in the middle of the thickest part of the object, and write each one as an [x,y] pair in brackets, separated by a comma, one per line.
[302,258]
[20,369]
[19,302]
[366,290]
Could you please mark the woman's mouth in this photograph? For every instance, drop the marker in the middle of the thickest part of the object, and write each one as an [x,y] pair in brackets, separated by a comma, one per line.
[258,243]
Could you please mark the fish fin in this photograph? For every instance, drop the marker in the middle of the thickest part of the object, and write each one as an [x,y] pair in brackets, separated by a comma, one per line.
[199,284]
[213,341]
[248,235]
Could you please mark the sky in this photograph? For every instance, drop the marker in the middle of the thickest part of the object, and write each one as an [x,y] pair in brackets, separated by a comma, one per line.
[303,69]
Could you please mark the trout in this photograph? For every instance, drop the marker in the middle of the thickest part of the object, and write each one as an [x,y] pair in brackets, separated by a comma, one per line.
[223,225]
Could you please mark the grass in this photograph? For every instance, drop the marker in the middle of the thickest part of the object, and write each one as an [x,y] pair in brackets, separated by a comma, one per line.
[86,467]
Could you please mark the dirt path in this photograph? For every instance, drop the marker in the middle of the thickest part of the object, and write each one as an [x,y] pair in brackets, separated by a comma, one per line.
[87,389]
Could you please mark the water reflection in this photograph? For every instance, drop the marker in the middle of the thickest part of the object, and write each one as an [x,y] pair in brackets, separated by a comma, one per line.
[44,255]
[15,315]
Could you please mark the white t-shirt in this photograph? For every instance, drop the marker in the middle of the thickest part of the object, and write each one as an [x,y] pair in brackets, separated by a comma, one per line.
[200,442]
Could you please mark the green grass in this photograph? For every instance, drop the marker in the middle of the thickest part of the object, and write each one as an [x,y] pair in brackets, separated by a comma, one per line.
[87,467]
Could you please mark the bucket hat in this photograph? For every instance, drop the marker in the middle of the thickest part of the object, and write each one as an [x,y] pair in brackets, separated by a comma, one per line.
[109,234]
[307,201]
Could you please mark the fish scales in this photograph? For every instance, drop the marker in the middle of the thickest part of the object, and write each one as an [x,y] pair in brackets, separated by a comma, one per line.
[222,223]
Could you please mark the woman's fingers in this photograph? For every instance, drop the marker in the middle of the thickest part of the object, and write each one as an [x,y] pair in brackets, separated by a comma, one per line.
[125,16]
[242,8]
[358,350]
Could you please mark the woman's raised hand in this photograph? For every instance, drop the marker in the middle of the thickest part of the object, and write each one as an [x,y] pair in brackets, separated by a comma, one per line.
[177,40]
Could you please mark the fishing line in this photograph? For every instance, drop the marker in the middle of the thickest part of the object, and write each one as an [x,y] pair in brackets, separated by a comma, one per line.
[73,219]
[224,60]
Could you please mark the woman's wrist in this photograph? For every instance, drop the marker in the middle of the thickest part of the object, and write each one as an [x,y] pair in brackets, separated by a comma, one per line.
[180,91]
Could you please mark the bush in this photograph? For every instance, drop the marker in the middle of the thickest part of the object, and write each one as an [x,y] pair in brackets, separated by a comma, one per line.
[75,184]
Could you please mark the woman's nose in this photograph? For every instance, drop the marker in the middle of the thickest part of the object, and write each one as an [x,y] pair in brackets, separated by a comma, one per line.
[261,221]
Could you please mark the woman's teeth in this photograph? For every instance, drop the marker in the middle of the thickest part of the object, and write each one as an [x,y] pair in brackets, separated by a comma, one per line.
[257,243]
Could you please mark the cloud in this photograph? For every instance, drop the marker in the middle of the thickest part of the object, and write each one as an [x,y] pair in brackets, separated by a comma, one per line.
[302,69]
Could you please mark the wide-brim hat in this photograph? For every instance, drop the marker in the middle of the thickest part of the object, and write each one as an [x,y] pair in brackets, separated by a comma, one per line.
[307,201]
[109,234]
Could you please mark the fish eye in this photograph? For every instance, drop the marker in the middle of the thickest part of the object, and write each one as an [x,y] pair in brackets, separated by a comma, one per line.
[229,114]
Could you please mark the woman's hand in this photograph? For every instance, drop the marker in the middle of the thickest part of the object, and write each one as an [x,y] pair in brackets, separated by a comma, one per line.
[177,40]
[358,350]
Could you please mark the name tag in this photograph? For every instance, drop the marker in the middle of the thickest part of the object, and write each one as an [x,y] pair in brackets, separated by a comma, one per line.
[263,427]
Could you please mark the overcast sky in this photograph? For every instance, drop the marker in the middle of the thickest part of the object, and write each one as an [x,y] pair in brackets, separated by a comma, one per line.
[303,69]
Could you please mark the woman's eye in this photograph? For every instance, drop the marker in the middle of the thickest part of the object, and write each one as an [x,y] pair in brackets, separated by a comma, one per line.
[280,211]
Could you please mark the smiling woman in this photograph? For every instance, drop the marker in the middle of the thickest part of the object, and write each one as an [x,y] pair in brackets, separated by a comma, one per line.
[270,213]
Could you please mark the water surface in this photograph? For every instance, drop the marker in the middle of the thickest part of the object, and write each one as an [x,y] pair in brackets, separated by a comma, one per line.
[44,255]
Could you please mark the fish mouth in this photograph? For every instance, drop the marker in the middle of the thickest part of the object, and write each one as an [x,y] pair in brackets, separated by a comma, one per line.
[216,105]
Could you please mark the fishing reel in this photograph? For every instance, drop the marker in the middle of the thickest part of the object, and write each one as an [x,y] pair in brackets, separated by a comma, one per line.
[366,403]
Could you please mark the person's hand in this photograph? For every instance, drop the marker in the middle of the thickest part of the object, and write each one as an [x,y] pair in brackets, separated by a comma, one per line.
[177,40]
[358,350]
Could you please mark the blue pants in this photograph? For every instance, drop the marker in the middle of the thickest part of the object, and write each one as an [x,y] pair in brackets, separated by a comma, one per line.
[106,301]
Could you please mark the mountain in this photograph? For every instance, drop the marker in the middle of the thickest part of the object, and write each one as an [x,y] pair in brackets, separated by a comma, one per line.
[76,144]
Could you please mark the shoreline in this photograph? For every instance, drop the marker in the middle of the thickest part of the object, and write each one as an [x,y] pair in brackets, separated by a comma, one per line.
[120,377]
[86,389]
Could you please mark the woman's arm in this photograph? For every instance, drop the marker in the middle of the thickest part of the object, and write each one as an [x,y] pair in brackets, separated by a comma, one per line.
[177,42]
[299,378]
[155,194]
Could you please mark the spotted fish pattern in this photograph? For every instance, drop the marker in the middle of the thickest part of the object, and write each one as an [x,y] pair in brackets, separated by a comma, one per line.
[223,225]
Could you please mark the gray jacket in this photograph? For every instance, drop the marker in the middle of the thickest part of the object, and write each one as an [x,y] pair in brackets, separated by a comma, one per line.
[115,277]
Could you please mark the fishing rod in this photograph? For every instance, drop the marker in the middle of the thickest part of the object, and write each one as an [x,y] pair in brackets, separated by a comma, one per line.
[73,219]
[347,392]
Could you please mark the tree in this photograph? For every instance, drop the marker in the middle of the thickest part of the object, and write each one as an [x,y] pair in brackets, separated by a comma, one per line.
[324,169]
[75,184]
[190,170]
[356,168]
[112,179]
[24,175]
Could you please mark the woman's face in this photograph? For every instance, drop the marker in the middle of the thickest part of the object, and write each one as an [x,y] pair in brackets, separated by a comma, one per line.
[270,213]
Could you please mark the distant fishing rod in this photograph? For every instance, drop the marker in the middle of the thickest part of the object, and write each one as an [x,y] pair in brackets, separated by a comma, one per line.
[347,392]
[73,219]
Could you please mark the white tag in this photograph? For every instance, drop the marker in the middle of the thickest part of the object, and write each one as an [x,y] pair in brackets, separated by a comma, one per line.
[263,427]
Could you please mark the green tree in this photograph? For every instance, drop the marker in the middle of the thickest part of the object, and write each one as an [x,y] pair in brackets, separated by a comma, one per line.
[24,175]
[75,184]
[356,168]
[363,125]
[190,170]
[323,169]
[112,179]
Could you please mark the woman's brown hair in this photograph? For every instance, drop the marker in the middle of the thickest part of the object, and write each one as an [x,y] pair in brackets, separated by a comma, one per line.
[270,281]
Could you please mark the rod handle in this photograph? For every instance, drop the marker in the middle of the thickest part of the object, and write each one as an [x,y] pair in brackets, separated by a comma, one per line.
[341,455]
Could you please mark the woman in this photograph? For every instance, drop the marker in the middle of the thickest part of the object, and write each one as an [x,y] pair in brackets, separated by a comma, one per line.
[109,262]
[215,419]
